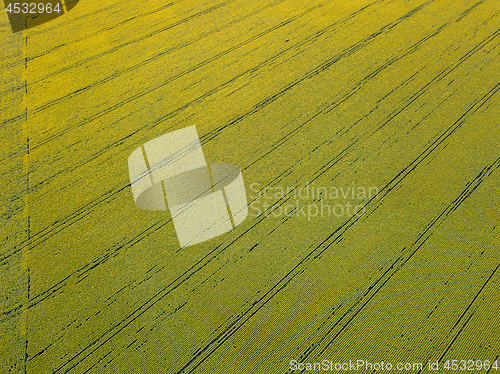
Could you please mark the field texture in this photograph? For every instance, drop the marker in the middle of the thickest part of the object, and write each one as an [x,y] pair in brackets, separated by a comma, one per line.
[390,108]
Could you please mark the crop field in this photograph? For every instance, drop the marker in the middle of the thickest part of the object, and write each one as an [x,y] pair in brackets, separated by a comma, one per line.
[368,137]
